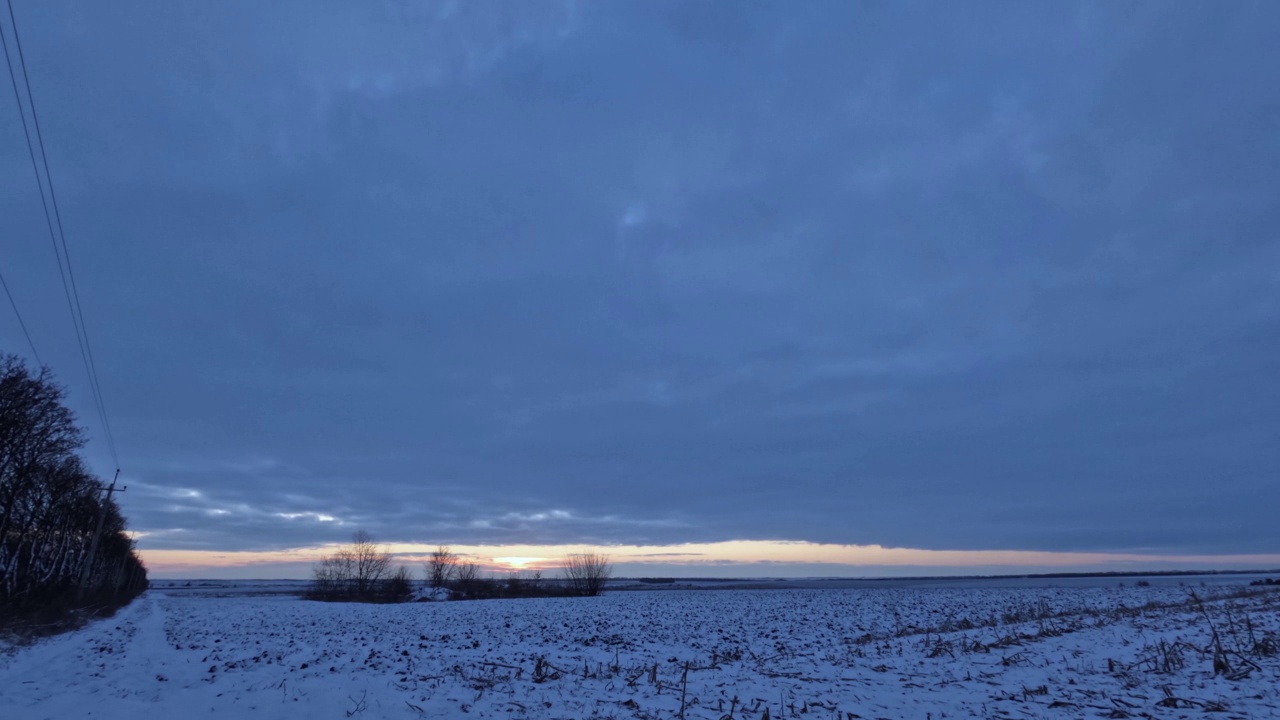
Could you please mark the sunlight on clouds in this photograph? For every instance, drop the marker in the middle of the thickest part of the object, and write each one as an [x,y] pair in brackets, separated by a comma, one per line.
[316,516]
[539,516]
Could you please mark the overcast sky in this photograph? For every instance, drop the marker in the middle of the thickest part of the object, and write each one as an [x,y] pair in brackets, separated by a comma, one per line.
[996,276]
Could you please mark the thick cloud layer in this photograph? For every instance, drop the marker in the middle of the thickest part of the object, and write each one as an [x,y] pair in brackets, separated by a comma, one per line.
[995,277]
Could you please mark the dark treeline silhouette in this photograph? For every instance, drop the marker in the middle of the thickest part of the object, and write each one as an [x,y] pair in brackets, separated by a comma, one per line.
[583,575]
[50,506]
[361,572]
[468,584]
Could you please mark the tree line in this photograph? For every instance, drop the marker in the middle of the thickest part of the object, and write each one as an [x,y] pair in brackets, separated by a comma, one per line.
[362,572]
[51,507]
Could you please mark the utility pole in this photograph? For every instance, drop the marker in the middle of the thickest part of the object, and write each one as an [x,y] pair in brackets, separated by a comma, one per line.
[97,533]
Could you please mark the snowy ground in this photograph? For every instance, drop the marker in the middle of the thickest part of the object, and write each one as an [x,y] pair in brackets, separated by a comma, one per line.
[883,653]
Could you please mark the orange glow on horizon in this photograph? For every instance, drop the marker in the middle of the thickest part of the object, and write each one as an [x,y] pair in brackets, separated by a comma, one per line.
[518,562]
[756,557]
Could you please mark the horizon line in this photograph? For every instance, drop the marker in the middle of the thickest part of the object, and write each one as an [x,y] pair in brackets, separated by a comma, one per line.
[769,558]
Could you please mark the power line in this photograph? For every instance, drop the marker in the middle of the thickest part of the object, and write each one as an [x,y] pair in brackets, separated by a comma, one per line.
[69,288]
[21,324]
[67,275]
[82,327]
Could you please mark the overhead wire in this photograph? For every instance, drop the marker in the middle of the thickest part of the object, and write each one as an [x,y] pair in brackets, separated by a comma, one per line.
[58,238]
[21,324]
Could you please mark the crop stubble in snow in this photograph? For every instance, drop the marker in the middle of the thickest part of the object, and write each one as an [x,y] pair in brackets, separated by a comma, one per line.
[881,653]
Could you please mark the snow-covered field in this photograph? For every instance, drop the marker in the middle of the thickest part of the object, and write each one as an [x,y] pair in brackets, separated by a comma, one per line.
[870,653]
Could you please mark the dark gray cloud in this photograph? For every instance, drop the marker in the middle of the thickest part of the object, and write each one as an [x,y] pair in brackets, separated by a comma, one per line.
[1000,277]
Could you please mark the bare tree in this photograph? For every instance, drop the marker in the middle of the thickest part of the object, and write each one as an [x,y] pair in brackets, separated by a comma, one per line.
[441,565]
[586,572]
[371,563]
[354,572]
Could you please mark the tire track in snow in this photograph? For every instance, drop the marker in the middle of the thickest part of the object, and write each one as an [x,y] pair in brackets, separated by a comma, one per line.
[76,664]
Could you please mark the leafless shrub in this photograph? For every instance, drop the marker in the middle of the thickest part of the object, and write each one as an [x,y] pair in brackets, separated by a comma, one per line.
[587,572]
[467,582]
[398,587]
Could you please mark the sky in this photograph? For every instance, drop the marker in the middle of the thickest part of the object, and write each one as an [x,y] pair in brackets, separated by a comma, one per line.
[817,288]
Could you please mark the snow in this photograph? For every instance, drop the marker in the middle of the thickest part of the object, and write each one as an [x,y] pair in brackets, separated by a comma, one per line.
[992,652]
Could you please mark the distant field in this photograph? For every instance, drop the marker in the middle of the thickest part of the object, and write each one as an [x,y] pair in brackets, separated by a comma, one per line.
[272,587]
[1070,651]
